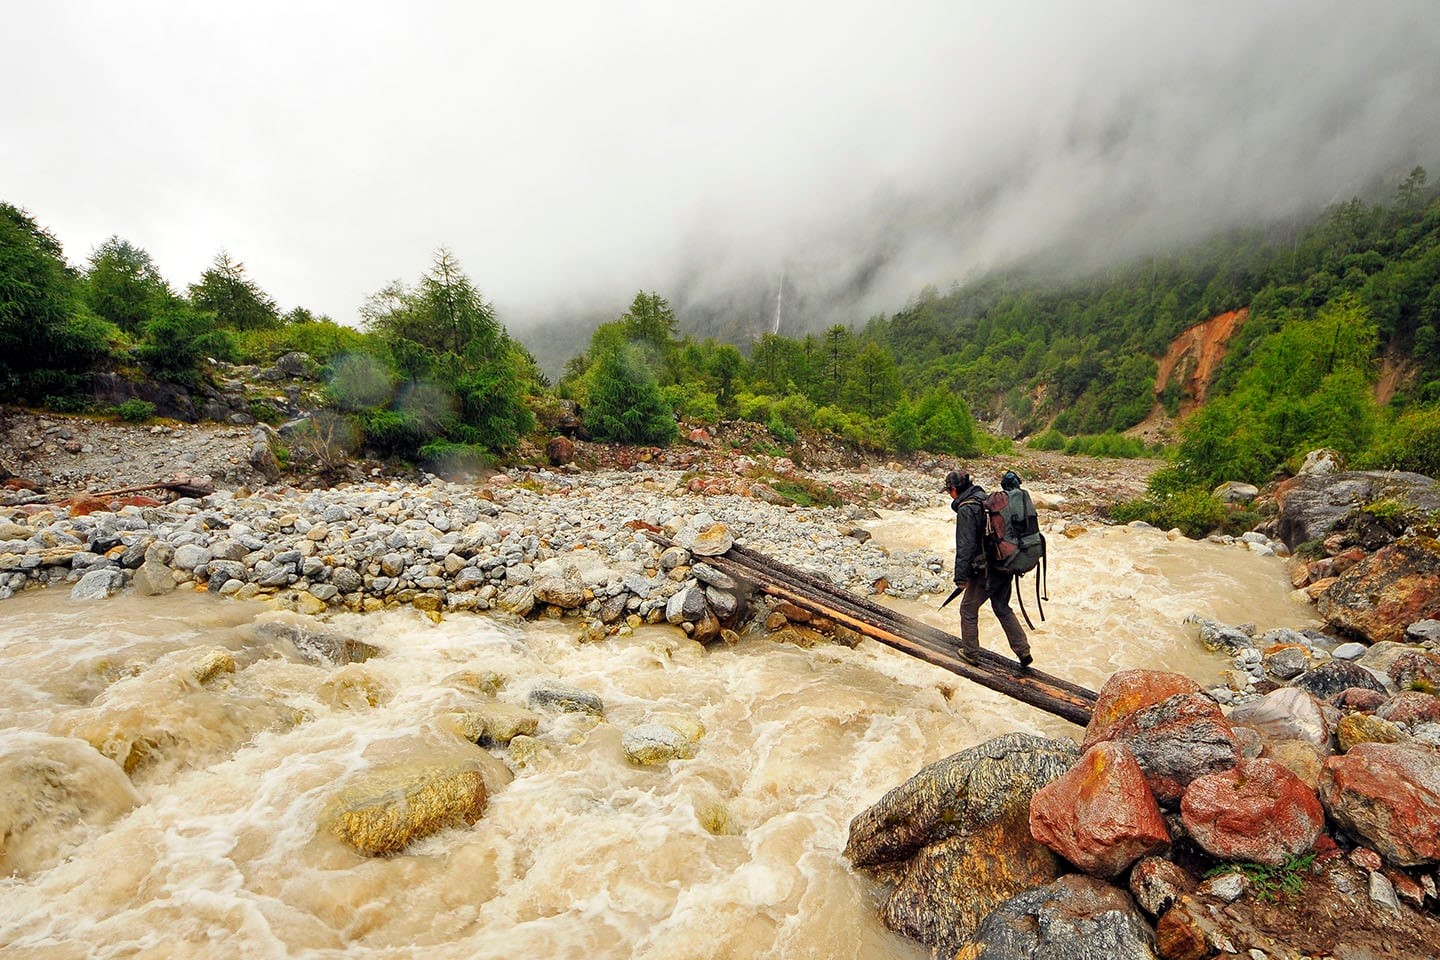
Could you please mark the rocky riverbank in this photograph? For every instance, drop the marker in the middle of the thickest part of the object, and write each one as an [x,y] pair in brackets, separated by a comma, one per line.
[567,542]
[1297,820]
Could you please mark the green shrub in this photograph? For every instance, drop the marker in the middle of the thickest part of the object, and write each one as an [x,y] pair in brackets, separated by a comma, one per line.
[360,381]
[321,339]
[1051,439]
[806,493]
[1191,509]
[1267,882]
[135,410]
[451,460]
[67,403]
[265,411]
[854,427]
[946,425]
[795,409]
[1411,443]
[753,407]
[993,446]
[1109,444]
[781,430]
[393,433]
[693,401]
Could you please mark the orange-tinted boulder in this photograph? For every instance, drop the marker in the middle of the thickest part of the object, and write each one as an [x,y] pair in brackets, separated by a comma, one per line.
[1100,815]
[1176,740]
[1389,795]
[1386,592]
[1258,812]
[1129,690]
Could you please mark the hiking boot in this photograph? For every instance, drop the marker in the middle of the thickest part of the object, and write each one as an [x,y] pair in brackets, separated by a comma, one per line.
[1025,662]
[969,655]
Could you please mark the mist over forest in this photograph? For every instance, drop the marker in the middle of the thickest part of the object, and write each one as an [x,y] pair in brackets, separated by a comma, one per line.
[573,155]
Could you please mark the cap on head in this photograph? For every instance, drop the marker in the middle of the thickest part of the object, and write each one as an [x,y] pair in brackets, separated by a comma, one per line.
[1010,481]
[956,480]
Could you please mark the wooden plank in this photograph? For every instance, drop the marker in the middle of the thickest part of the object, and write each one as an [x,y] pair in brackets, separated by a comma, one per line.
[1051,694]
[1018,688]
[897,621]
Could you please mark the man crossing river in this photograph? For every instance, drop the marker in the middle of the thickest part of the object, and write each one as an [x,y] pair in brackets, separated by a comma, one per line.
[976,569]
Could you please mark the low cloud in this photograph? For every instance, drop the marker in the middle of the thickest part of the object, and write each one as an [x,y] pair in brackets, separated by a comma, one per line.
[572,153]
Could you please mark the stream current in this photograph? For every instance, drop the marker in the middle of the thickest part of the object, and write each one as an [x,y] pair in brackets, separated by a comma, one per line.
[211,847]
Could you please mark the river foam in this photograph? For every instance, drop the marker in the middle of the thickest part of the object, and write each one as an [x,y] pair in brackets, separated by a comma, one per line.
[218,850]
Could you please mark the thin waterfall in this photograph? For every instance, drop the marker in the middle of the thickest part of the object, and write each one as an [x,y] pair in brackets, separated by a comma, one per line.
[779,303]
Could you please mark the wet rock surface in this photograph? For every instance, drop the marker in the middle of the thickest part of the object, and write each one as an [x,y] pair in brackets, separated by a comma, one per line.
[954,839]
[1074,918]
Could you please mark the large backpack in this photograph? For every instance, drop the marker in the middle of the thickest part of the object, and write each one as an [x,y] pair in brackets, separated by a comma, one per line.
[1013,534]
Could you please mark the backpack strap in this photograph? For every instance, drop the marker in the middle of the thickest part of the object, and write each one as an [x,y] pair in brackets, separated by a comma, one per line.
[1042,574]
[1020,596]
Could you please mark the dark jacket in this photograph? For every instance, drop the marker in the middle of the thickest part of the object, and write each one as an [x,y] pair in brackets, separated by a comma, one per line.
[970,518]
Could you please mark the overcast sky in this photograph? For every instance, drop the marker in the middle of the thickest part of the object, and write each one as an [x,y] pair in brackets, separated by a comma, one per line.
[570,153]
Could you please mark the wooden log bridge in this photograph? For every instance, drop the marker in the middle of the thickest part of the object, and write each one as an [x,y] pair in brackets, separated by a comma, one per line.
[892,628]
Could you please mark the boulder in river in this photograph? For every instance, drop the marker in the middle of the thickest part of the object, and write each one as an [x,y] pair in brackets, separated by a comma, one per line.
[1129,690]
[553,695]
[1074,917]
[493,723]
[1176,740]
[54,791]
[388,809]
[652,744]
[955,838]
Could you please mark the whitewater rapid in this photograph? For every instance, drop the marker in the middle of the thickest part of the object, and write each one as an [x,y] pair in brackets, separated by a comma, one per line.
[211,846]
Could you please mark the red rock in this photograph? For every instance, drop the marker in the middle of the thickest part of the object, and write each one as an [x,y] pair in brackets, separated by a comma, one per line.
[1415,669]
[1388,795]
[700,435]
[83,506]
[1100,815]
[1259,812]
[1358,700]
[1411,707]
[1387,591]
[138,500]
[1406,887]
[560,451]
[1176,740]
[1127,691]
[1346,559]
[1365,858]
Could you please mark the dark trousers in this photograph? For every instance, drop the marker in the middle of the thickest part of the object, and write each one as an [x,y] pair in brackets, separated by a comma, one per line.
[995,588]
